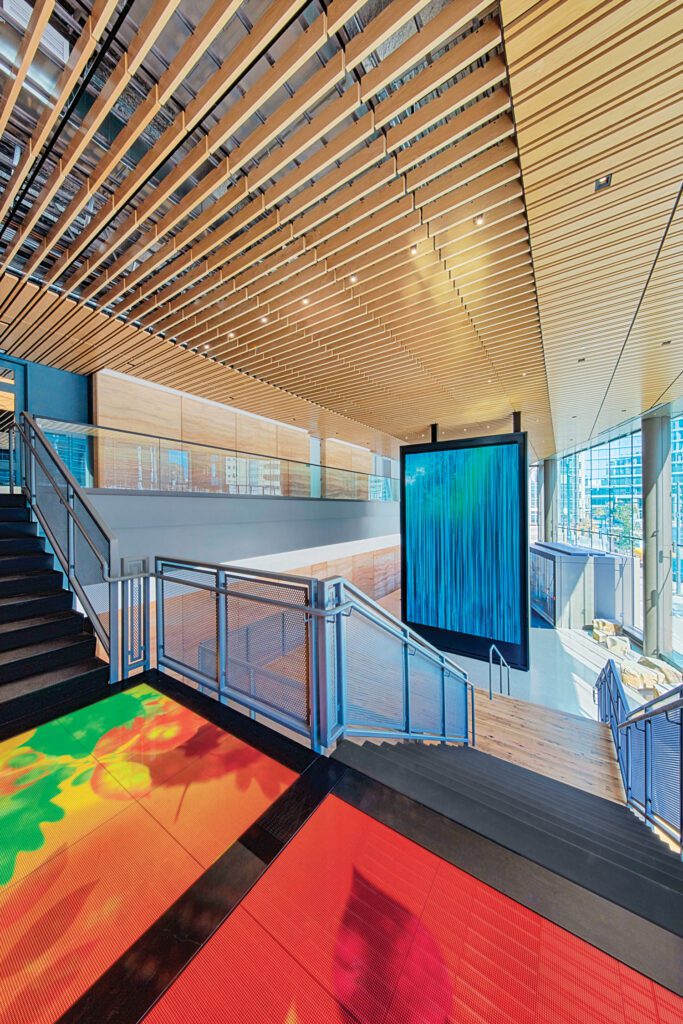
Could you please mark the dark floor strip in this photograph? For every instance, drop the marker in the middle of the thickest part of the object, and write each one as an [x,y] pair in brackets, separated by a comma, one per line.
[649,949]
[131,986]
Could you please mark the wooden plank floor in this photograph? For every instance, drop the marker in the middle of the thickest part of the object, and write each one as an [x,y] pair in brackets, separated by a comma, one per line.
[562,746]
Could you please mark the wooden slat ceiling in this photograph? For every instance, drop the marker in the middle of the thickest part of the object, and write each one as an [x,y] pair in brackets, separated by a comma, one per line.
[314,211]
[597,87]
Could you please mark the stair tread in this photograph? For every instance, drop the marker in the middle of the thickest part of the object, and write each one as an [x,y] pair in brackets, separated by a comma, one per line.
[43,647]
[41,680]
[28,597]
[635,844]
[39,620]
[496,774]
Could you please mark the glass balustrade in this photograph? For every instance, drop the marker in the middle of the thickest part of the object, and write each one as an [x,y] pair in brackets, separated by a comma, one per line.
[101,457]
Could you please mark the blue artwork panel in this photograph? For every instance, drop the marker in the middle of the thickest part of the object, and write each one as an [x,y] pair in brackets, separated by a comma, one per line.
[463,558]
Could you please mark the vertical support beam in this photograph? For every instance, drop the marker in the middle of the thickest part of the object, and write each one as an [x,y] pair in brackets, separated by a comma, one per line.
[434,429]
[657,534]
[550,500]
[516,422]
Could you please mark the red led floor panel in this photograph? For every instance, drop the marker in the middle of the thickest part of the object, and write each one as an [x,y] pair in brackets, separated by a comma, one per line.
[354,924]
[107,816]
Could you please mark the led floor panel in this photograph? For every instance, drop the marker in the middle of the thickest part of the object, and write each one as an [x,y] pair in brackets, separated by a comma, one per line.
[354,924]
[107,816]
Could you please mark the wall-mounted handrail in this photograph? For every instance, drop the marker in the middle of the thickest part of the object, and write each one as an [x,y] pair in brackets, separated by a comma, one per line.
[647,715]
[501,661]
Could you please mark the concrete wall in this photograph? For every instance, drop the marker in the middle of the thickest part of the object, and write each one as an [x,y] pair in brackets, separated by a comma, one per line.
[226,529]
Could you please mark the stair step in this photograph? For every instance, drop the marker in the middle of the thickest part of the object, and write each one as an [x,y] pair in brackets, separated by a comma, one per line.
[21,545]
[14,515]
[12,501]
[628,886]
[625,845]
[25,606]
[20,700]
[497,777]
[481,764]
[26,632]
[37,581]
[18,529]
[35,659]
[10,565]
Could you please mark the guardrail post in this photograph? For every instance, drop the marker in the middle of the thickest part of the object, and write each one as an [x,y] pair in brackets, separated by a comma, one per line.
[406,684]
[318,669]
[443,704]
[70,535]
[125,630]
[10,447]
[222,635]
[159,595]
[114,651]
[647,792]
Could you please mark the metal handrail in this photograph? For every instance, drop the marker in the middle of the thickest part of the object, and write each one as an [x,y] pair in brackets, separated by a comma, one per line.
[323,620]
[625,725]
[501,661]
[630,720]
[406,631]
[655,700]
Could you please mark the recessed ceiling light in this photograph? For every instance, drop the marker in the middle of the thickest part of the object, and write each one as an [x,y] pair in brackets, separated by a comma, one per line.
[524,374]
[582,359]
[304,302]
[413,250]
[231,334]
[206,348]
[353,279]
[264,319]
[666,342]
[479,220]
[464,430]
[603,182]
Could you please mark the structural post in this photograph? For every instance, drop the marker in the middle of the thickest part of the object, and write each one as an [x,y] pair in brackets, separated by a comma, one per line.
[551,502]
[434,427]
[657,534]
[516,422]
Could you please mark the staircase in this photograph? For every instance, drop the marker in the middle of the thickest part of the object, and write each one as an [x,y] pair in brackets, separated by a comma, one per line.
[47,650]
[597,843]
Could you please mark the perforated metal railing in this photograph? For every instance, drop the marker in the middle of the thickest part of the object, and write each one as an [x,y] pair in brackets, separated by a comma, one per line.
[85,548]
[319,657]
[649,743]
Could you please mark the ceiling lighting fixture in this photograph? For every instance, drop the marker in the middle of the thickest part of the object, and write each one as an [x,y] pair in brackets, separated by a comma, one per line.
[353,279]
[305,301]
[603,182]
[666,342]
[479,220]
[264,319]
[413,250]
[206,348]
[582,359]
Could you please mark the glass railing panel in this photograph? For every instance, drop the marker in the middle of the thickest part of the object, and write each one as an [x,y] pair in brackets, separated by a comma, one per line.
[105,458]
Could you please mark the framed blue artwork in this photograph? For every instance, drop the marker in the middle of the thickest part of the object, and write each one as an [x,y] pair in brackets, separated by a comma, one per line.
[464,544]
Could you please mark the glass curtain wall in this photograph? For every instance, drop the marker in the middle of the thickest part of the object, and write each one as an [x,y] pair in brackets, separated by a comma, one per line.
[601,503]
[677,533]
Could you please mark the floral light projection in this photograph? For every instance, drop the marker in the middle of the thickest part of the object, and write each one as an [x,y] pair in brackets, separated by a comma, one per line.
[107,815]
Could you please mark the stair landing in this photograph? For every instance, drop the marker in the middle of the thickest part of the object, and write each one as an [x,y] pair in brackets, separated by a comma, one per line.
[561,746]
